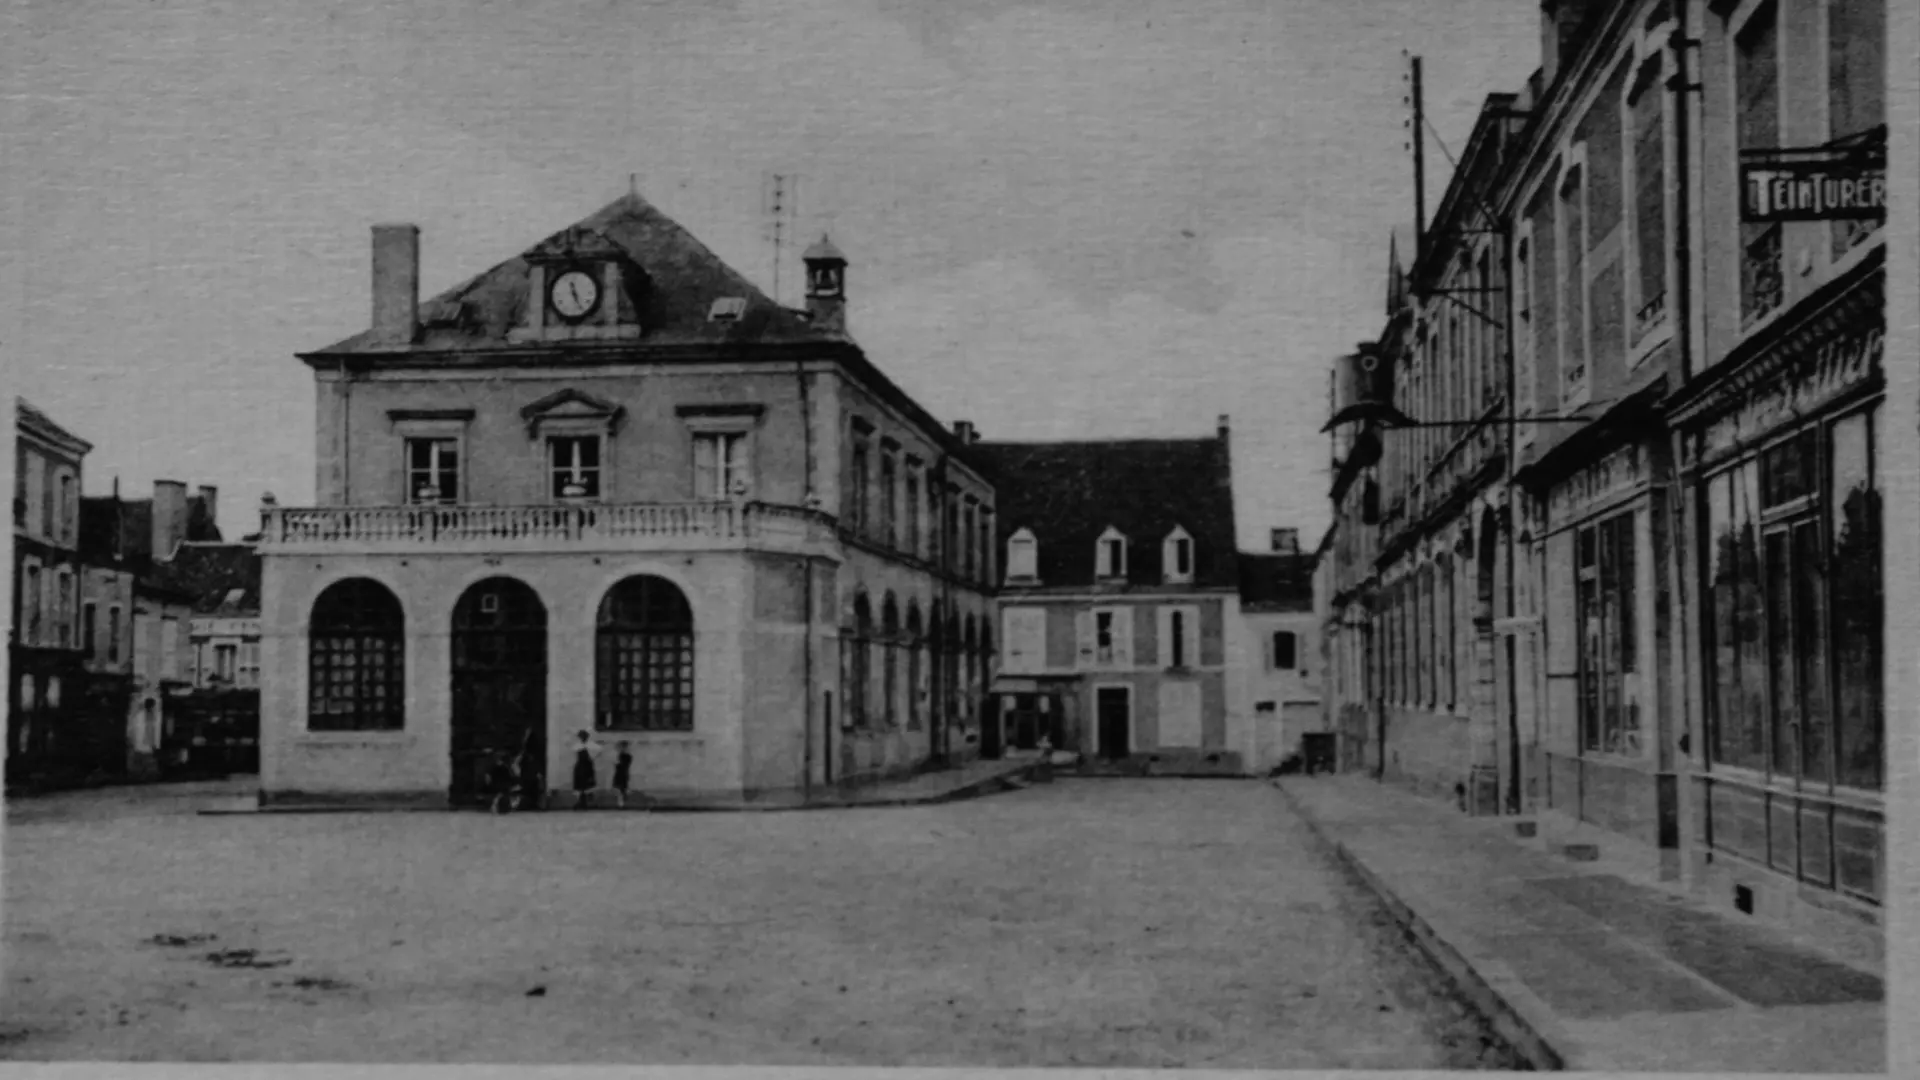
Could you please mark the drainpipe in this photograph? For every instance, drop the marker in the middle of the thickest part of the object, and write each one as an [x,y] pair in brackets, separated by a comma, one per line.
[807,618]
[1679,520]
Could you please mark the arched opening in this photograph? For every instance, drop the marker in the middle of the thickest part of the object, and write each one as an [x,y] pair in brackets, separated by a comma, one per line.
[890,663]
[937,681]
[916,669]
[643,657]
[970,666]
[499,670]
[859,692]
[356,652]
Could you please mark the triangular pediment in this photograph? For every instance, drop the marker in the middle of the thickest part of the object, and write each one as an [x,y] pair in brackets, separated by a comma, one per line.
[571,404]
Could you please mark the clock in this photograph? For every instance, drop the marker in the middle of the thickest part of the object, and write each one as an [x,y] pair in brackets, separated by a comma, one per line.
[573,294]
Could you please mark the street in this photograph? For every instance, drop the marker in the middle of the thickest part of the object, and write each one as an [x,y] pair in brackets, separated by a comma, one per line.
[1121,923]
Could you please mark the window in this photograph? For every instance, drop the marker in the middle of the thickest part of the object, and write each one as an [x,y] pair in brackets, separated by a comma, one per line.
[889,715]
[1856,88]
[63,609]
[954,554]
[1176,556]
[225,663]
[1544,300]
[1284,647]
[889,500]
[1106,637]
[89,645]
[36,491]
[1757,127]
[1110,556]
[53,693]
[356,659]
[249,675]
[719,464]
[113,634]
[916,687]
[643,662]
[969,554]
[983,543]
[857,497]
[1285,541]
[1023,556]
[69,509]
[1026,638]
[574,464]
[913,542]
[1179,636]
[33,604]
[1604,625]
[1649,203]
[858,691]
[433,471]
[1573,285]
[172,659]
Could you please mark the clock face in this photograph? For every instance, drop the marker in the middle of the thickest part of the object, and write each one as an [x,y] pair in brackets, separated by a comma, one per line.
[574,294]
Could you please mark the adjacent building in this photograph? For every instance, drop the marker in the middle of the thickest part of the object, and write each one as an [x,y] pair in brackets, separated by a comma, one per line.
[1637,586]
[1282,660]
[608,486]
[218,719]
[1121,636]
[45,655]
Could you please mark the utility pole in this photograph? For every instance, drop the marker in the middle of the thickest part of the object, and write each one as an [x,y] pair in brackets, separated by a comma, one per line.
[1416,123]
[780,192]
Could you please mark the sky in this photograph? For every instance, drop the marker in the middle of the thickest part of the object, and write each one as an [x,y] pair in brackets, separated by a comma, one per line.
[1064,220]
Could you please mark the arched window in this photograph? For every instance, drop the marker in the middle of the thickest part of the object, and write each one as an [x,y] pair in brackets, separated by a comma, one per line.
[356,650]
[916,668]
[859,694]
[890,662]
[644,657]
[1023,556]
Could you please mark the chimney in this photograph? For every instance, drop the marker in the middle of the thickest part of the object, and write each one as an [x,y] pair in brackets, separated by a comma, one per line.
[1559,28]
[210,505]
[396,283]
[826,287]
[963,430]
[169,517]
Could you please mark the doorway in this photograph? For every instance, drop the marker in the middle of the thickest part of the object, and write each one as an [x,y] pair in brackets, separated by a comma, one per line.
[499,681]
[1113,705]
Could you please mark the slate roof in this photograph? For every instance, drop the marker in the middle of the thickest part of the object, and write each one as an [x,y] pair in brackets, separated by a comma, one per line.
[1068,493]
[213,573]
[1276,582]
[685,278]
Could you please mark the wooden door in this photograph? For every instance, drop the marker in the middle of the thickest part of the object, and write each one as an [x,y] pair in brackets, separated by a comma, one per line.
[1114,707]
[499,680]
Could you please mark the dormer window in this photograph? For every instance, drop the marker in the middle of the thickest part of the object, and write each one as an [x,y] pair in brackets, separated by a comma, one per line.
[1176,558]
[1023,556]
[727,309]
[1110,558]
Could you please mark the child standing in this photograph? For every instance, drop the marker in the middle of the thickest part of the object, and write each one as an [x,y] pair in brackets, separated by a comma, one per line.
[584,779]
[622,774]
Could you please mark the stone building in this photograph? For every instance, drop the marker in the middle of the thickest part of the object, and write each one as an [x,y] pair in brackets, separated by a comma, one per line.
[1121,635]
[1672,616]
[1284,662]
[45,661]
[609,486]
[218,723]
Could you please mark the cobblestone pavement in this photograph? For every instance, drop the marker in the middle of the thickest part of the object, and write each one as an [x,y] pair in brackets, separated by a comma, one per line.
[1110,923]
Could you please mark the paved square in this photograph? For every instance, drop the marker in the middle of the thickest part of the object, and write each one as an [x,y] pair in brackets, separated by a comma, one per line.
[1089,922]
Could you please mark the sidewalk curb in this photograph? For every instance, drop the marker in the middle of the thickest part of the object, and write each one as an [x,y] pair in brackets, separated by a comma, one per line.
[1511,1019]
[1011,780]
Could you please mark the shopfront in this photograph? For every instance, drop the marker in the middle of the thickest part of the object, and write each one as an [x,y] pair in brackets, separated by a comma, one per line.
[1603,743]
[1783,476]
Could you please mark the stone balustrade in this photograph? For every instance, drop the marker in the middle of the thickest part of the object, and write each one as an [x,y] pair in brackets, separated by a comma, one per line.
[554,527]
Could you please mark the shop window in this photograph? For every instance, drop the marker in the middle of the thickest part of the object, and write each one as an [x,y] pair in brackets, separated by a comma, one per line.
[1604,606]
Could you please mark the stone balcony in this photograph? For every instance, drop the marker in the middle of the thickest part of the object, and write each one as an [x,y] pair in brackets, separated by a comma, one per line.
[551,528]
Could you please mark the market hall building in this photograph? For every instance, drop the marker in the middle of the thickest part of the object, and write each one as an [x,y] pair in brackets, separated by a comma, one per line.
[609,486]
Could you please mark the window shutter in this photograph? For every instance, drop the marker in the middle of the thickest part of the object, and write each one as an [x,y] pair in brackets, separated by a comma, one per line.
[1123,637]
[1083,632]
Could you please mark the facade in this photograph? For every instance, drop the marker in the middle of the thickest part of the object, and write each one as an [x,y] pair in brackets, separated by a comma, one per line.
[1120,632]
[44,649]
[1670,622]
[608,486]
[1284,659]
[218,723]
[107,638]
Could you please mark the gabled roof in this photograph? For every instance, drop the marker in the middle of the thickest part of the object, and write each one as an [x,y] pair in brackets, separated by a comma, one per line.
[1068,493]
[224,579]
[684,279]
[1276,582]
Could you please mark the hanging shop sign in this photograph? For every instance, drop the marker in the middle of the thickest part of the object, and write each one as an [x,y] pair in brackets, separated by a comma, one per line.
[1819,184]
